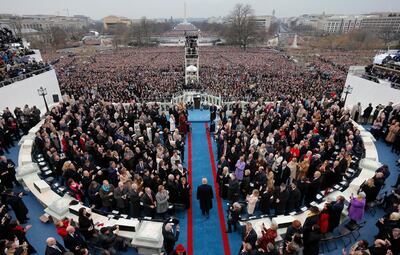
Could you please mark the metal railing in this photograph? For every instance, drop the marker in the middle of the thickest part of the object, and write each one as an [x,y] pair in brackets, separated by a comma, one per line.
[376,80]
[24,76]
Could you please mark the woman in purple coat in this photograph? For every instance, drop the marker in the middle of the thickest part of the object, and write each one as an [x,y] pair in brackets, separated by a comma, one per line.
[240,165]
[356,208]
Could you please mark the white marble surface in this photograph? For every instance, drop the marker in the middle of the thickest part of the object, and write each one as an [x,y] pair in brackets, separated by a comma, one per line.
[58,209]
[257,224]
[128,222]
[41,185]
[29,136]
[24,157]
[149,231]
[370,164]
[28,143]
[26,169]
[371,153]
[148,239]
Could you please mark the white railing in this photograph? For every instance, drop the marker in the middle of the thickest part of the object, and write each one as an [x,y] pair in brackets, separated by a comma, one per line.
[189,96]
[24,76]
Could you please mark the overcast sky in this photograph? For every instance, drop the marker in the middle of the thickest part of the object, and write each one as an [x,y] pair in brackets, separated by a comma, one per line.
[98,9]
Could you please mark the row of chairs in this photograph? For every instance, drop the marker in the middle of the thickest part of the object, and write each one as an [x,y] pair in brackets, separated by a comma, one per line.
[346,237]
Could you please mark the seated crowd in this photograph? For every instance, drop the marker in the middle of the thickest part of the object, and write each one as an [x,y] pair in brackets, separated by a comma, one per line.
[376,72]
[14,58]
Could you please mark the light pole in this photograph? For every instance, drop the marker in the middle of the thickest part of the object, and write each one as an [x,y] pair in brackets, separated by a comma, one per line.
[347,90]
[43,92]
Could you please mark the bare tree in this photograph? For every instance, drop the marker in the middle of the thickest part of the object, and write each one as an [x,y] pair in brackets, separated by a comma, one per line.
[141,32]
[120,33]
[387,34]
[57,37]
[242,27]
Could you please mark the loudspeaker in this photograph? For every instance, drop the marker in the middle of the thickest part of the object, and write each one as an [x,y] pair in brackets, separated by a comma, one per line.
[55,98]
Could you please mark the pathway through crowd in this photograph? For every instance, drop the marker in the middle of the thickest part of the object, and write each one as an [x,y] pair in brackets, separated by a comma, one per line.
[209,236]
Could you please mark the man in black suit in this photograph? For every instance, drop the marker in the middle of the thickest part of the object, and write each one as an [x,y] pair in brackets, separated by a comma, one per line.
[141,166]
[38,144]
[7,172]
[249,235]
[149,202]
[73,242]
[283,173]
[281,197]
[314,188]
[170,237]
[18,205]
[366,114]
[223,182]
[213,112]
[134,201]
[205,195]
[294,198]
[53,247]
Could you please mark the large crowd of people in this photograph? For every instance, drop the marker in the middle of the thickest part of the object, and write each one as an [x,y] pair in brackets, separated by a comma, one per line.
[14,226]
[276,158]
[278,154]
[156,74]
[14,58]
[303,145]
[112,157]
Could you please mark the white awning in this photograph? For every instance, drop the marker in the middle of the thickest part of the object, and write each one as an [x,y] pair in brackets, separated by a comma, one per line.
[191,68]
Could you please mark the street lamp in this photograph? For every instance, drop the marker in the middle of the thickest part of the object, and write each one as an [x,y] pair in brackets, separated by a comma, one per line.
[347,90]
[43,92]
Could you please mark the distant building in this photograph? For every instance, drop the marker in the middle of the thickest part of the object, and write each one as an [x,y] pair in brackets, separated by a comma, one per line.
[374,22]
[341,24]
[112,21]
[382,22]
[45,22]
[36,27]
[218,20]
[264,22]
[310,20]
[185,27]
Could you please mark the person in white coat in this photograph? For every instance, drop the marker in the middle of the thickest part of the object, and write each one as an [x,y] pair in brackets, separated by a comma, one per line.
[252,201]
[172,123]
[356,111]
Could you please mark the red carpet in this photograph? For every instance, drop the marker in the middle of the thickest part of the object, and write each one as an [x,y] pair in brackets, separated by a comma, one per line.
[190,214]
[219,201]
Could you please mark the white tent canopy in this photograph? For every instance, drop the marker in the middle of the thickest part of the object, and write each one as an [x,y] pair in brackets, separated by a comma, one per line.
[379,58]
[191,68]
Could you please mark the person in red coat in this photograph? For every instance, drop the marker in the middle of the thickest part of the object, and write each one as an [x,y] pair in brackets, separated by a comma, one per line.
[268,236]
[182,124]
[61,227]
[76,189]
[323,220]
